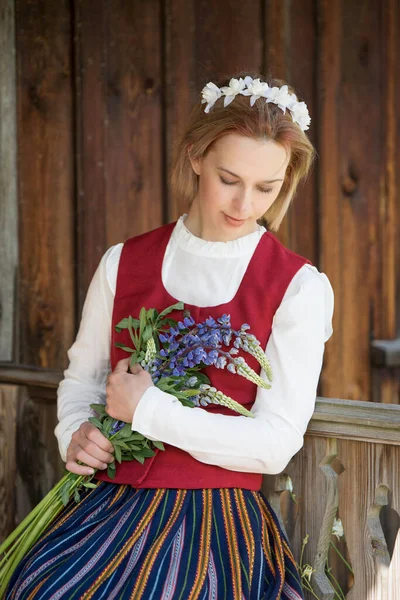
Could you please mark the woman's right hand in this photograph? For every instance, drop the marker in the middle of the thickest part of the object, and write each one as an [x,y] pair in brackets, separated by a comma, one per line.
[89,446]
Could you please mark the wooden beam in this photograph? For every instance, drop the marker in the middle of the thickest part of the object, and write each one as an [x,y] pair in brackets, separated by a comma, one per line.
[385,353]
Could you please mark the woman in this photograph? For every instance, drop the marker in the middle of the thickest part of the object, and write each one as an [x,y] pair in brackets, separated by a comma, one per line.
[192,522]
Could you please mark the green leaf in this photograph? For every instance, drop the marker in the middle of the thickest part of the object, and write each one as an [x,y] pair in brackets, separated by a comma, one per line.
[123,347]
[118,453]
[158,445]
[121,325]
[124,433]
[76,495]
[138,458]
[147,333]
[96,422]
[152,314]
[120,443]
[65,492]
[169,322]
[142,319]
[169,309]
[107,425]
[100,409]
[186,402]
[124,324]
[134,337]
[111,469]
[87,484]
[146,452]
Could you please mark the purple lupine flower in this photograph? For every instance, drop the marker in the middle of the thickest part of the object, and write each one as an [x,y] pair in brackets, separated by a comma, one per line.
[116,427]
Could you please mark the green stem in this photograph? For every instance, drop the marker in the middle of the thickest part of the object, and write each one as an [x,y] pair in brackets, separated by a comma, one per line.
[34,533]
[49,496]
[343,558]
[308,587]
[338,591]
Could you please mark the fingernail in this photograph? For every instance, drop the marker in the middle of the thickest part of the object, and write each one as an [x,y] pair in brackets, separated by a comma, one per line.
[90,471]
[104,466]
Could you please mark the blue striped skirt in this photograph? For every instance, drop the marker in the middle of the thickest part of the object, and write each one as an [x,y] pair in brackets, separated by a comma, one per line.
[161,544]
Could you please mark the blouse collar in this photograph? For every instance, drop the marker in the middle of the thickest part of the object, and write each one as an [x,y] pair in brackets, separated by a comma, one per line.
[191,243]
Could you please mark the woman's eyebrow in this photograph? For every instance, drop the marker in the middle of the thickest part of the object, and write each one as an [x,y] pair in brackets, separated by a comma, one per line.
[234,174]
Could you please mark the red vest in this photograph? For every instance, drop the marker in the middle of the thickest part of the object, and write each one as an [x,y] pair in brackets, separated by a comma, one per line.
[260,293]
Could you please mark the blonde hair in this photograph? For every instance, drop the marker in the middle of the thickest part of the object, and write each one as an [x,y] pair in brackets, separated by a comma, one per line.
[263,121]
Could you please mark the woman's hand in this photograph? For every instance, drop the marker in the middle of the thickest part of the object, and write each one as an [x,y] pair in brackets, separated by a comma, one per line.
[124,390]
[89,446]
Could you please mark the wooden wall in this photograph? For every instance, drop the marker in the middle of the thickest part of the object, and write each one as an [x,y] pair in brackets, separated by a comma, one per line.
[93,95]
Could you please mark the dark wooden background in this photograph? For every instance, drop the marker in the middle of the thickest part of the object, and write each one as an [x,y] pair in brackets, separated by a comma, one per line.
[93,95]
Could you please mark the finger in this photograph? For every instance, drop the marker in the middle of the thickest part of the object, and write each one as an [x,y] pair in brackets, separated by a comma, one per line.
[136,369]
[74,467]
[89,460]
[94,435]
[122,366]
[95,451]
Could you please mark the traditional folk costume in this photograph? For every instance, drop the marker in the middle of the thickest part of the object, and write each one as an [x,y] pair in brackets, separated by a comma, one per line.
[191,522]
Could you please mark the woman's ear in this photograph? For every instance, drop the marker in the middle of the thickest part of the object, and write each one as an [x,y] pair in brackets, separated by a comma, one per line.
[195,162]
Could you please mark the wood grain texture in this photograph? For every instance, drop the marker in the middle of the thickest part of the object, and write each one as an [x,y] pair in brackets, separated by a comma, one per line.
[8,427]
[194,55]
[45,175]
[119,97]
[361,480]
[289,26]
[386,306]
[8,182]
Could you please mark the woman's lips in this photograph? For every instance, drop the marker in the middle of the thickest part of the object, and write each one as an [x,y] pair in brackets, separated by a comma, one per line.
[234,222]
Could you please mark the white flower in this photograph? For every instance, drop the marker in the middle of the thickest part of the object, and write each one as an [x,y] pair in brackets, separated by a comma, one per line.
[210,93]
[337,528]
[308,571]
[230,92]
[300,114]
[289,484]
[256,89]
[279,96]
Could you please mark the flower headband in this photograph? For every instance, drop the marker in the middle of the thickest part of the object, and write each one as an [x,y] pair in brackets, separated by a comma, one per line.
[257,89]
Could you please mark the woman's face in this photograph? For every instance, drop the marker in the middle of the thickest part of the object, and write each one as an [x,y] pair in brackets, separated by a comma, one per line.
[239,178]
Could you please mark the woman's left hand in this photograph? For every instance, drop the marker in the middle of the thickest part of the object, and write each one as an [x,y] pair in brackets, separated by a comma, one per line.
[124,390]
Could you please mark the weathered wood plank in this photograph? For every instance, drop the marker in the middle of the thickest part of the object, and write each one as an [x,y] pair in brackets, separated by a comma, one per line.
[386,307]
[286,28]
[348,419]
[8,181]
[368,466]
[8,428]
[46,182]
[120,126]
[199,49]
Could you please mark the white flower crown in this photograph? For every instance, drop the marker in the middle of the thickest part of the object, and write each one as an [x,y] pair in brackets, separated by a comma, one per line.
[257,89]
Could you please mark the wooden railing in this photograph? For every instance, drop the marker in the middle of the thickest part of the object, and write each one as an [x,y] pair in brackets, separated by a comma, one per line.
[348,471]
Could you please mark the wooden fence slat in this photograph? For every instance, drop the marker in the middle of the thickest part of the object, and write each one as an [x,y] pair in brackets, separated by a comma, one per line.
[8,427]
[8,181]
[46,182]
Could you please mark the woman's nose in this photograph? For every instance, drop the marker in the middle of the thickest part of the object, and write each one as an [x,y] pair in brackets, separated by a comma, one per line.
[242,201]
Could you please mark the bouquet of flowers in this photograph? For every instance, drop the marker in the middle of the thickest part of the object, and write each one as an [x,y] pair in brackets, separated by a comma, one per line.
[174,353]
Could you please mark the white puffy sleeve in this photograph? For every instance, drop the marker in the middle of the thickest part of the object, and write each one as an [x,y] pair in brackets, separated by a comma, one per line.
[89,356]
[301,326]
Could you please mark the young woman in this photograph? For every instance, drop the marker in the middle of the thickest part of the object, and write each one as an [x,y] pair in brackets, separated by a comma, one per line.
[192,522]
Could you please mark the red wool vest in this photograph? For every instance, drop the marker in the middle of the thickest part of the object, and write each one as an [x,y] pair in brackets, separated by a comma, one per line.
[139,283]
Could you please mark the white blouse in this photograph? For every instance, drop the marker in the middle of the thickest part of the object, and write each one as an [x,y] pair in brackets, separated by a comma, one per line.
[204,273]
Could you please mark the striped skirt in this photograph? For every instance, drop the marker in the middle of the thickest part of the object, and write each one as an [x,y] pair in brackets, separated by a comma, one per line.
[161,544]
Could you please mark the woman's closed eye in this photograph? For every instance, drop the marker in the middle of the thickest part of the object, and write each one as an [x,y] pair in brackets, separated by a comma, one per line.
[267,191]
